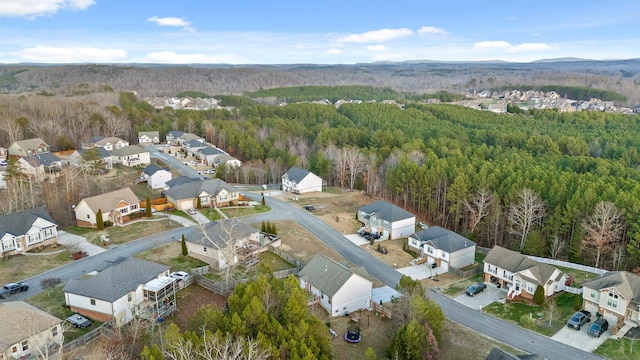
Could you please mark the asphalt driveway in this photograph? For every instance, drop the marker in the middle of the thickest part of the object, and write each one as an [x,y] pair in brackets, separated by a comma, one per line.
[490,295]
[579,338]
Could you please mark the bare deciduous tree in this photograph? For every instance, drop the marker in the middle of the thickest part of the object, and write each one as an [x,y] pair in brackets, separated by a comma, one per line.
[556,247]
[478,207]
[214,347]
[603,228]
[356,163]
[524,213]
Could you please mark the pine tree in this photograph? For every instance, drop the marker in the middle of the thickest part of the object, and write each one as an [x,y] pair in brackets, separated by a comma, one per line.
[263,227]
[185,252]
[263,202]
[99,221]
[538,296]
[274,231]
[198,203]
[147,211]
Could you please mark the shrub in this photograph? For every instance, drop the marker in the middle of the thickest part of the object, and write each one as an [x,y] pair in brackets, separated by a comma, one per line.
[526,321]
[538,296]
[577,302]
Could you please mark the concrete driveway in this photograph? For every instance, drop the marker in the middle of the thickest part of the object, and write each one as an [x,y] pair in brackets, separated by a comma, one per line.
[579,338]
[490,295]
[357,239]
[79,242]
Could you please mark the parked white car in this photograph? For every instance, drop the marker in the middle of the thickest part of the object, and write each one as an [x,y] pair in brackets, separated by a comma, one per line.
[191,211]
[180,275]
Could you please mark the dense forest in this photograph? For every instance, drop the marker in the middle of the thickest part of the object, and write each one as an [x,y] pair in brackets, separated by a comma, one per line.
[561,185]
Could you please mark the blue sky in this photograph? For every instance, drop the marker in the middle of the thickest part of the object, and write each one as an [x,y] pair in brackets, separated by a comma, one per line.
[320,32]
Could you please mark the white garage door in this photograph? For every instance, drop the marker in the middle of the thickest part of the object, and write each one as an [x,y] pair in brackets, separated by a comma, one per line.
[593,308]
[611,318]
[444,265]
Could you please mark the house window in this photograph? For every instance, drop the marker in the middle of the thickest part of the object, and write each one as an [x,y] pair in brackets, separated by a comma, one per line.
[14,349]
[129,297]
[612,303]
[134,207]
[430,250]
[48,232]
[530,288]
[386,224]
[205,249]
[88,217]
[593,294]
[54,331]
[124,210]
[25,345]
[93,302]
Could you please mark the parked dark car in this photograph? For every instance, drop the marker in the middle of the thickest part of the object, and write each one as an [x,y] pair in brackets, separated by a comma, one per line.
[475,289]
[14,288]
[310,208]
[578,319]
[79,321]
[364,233]
[598,327]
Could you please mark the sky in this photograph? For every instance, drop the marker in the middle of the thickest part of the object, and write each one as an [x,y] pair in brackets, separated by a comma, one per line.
[314,32]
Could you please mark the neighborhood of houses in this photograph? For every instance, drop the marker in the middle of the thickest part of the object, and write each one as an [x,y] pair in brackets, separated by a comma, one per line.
[122,289]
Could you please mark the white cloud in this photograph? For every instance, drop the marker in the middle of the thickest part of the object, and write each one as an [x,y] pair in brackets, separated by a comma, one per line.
[35,8]
[334,51]
[524,47]
[171,21]
[170,57]
[46,54]
[377,48]
[377,35]
[431,30]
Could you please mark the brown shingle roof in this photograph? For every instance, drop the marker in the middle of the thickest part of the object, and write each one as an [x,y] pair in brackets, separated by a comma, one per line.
[20,321]
[628,284]
[516,262]
[108,201]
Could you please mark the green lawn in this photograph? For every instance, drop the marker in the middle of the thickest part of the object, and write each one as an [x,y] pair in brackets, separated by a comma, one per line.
[623,349]
[534,317]
[579,277]
[142,191]
[480,257]
[52,302]
[244,211]
[211,214]
[123,234]
[460,286]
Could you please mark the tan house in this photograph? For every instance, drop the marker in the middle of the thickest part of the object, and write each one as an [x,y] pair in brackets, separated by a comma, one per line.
[131,156]
[148,137]
[212,193]
[27,332]
[219,247]
[615,295]
[116,206]
[521,275]
[25,230]
[111,143]
[28,147]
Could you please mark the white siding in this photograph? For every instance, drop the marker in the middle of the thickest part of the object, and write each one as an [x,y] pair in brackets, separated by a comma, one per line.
[463,257]
[83,302]
[354,295]
[403,228]
[159,179]
[84,213]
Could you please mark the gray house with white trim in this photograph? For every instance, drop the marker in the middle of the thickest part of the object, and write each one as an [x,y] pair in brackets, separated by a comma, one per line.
[444,247]
[388,220]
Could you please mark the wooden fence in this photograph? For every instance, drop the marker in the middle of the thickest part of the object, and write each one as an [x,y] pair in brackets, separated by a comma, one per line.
[381,310]
[467,273]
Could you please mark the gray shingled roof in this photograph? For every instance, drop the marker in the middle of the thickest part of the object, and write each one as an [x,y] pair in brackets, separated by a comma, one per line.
[209,150]
[195,143]
[175,133]
[31,143]
[297,174]
[110,140]
[386,211]
[44,159]
[94,139]
[151,169]
[108,201]
[218,232]
[325,274]
[150,134]
[628,284]
[115,279]
[189,136]
[179,181]
[102,152]
[515,262]
[443,239]
[192,189]
[18,223]
[129,150]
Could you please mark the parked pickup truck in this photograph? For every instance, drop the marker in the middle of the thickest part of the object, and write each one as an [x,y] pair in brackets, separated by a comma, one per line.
[578,319]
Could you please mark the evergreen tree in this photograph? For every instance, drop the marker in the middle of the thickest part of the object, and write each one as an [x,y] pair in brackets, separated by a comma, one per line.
[263,202]
[99,221]
[185,252]
[147,210]
[538,296]
[199,203]
[263,227]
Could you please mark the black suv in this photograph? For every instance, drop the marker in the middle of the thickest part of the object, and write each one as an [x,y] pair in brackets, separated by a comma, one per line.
[598,327]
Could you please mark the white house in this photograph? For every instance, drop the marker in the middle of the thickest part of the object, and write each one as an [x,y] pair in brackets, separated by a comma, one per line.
[338,289]
[148,137]
[111,143]
[388,220]
[444,247]
[219,246]
[173,137]
[121,289]
[28,147]
[155,176]
[132,155]
[38,165]
[521,275]
[28,331]
[615,295]
[301,181]
[26,230]
[115,207]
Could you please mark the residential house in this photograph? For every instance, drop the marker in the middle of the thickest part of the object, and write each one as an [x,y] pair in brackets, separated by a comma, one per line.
[191,147]
[208,154]
[212,193]
[173,137]
[28,147]
[90,143]
[219,243]
[39,164]
[131,156]
[3,153]
[499,108]
[25,230]
[111,143]
[521,275]
[338,289]
[94,158]
[301,181]
[27,332]
[186,137]
[122,289]
[444,247]
[615,295]
[388,220]
[116,206]
[179,181]
[148,137]
[227,160]
[155,176]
